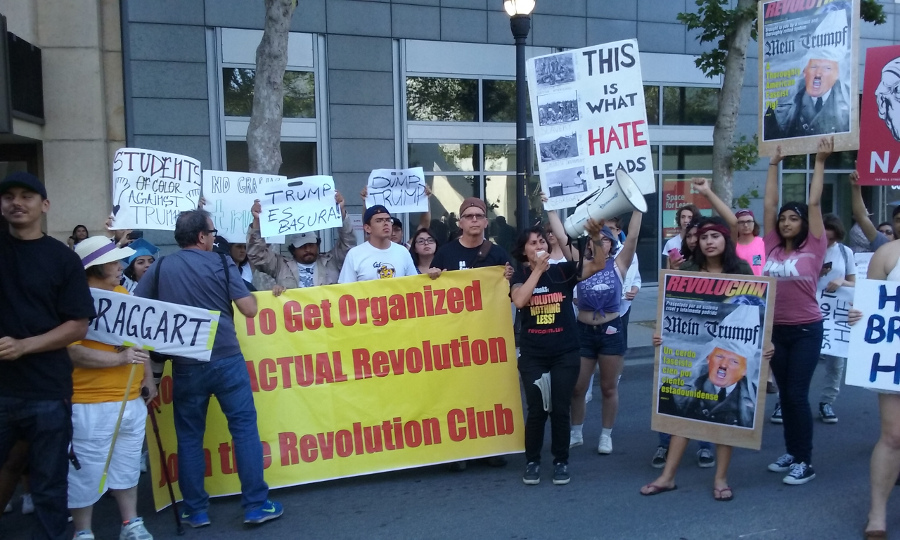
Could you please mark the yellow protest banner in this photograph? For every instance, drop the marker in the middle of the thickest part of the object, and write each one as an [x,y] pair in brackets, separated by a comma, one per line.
[367,377]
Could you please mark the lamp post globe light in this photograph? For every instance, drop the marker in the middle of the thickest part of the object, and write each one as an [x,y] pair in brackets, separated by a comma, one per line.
[519,12]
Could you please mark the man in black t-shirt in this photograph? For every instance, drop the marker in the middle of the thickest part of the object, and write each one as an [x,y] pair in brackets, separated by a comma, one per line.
[46,306]
[463,253]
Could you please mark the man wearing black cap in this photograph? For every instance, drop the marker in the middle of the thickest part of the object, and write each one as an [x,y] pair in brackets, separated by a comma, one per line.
[471,250]
[46,306]
[307,266]
[378,257]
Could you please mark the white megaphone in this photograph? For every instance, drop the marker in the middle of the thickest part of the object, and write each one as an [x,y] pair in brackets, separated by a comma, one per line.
[616,198]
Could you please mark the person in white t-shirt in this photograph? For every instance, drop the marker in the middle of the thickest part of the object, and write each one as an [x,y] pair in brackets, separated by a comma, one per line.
[838,270]
[683,216]
[378,257]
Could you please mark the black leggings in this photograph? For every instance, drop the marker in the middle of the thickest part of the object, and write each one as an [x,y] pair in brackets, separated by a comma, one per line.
[563,369]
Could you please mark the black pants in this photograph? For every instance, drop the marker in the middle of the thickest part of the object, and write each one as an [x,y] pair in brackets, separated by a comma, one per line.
[563,369]
[45,425]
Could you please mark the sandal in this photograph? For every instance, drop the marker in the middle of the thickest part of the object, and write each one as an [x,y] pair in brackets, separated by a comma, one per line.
[723,495]
[653,489]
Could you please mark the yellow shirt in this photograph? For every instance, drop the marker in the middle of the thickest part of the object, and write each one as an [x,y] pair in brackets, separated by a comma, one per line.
[104,385]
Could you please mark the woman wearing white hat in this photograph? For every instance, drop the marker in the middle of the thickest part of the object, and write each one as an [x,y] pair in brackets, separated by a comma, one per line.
[101,373]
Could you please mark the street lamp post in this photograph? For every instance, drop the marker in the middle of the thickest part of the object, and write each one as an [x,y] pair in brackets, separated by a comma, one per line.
[519,12]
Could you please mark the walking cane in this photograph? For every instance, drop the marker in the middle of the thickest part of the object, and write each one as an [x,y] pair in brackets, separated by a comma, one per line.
[165,469]
[118,424]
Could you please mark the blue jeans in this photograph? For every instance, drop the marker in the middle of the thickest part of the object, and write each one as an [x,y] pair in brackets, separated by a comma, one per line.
[46,426]
[228,380]
[797,349]
[665,439]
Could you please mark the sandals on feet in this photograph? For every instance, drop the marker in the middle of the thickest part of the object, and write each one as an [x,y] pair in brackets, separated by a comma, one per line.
[723,495]
[653,489]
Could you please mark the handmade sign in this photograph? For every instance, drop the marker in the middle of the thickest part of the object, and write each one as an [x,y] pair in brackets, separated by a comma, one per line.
[345,383]
[835,308]
[709,381]
[878,161]
[398,190]
[298,205]
[875,362]
[125,320]
[808,82]
[862,261]
[229,196]
[589,119]
[150,188]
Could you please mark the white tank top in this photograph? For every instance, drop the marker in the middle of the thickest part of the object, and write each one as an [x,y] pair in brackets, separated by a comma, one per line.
[895,273]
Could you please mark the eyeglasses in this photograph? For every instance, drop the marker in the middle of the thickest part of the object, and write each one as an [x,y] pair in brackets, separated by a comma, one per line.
[746,222]
[213,232]
[473,217]
[425,241]
[887,232]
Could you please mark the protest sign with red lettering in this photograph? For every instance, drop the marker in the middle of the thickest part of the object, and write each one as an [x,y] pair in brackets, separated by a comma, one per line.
[878,162]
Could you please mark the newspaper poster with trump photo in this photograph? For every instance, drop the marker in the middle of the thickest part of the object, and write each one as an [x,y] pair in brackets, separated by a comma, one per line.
[808,80]
[709,377]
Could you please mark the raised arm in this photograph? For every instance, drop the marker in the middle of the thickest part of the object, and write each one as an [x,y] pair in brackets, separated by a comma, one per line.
[259,253]
[771,197]
[860,214]
[816,185]
[346,238]
[626,254]
[559,231]
[704,187]
[425,218]
[592,266]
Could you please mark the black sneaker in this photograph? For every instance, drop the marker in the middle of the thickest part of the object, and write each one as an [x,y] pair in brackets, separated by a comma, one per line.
[659,458]
[532,474]
[801,473]
[776,415]
[705,458]
[782,464]
[561,474]
[826,413]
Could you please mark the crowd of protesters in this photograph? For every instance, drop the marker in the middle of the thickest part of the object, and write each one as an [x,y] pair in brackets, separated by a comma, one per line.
[60,394]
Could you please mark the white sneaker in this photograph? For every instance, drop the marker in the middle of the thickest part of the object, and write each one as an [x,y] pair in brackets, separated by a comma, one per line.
[605,446]
[575,438]
[27,504]
[135,530]
[8,509]
[83,535]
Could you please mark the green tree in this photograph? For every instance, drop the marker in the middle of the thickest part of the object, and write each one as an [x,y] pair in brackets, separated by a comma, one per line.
[731,29]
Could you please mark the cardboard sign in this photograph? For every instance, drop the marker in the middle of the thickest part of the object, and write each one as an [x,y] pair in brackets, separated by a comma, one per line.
[345,383]
[709,377]
[808,67]
[862,261]
[878,162]
[398,190]
[229,196]
[125,320]
[299,205]
[835,308]
[589,118]
[875,340]
[150,188]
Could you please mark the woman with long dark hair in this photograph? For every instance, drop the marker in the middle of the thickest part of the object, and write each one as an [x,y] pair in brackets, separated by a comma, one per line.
[422,248]
[548,344]
[795,250]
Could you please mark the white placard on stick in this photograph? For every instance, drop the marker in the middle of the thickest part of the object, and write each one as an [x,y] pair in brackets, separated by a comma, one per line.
[150,188]
[875,340]
[229,196]
[835,308]
[589,117]
[299,205]
[862,261]
[398,190]
[125,320]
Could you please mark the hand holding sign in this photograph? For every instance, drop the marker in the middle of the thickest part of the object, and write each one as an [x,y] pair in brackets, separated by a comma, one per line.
[299,205]
[228,194]
[399,190]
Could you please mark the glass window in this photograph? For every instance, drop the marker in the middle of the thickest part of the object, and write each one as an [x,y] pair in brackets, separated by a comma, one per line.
[433,99]
[297,158]
[685,106]
[651,99]
[499,101]
[839,160]
[445,157]
[299,92]
[793,187]
[500,157]
[794,162]
[687,158]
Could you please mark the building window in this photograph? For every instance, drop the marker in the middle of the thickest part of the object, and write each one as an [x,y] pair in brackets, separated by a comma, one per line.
[299,92]
[297,158]
[681,105]
[439,99]
[796,173]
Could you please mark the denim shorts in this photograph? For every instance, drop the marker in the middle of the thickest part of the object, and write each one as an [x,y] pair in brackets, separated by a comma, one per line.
[603,339]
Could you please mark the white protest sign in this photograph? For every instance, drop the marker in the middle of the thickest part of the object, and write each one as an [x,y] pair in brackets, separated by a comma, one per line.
[875,340]
[299,205]
[589,118]
[126,320]
[229,196]
[150,188]
[835,308]
[398,190]
[862,261]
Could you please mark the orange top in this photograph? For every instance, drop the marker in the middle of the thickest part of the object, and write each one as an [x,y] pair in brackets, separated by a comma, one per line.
[104,385]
